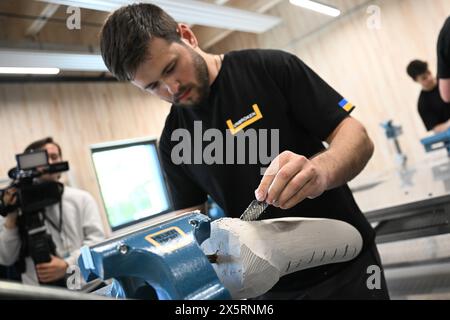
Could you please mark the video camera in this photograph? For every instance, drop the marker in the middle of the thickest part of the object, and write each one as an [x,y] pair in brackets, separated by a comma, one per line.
[33,196]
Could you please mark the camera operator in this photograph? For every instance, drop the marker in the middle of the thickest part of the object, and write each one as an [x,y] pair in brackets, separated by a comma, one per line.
[72,223]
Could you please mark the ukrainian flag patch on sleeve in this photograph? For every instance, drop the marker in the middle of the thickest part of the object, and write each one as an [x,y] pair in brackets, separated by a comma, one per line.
[347,106]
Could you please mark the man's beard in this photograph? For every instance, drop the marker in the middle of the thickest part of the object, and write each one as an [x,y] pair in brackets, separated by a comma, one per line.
[202,78]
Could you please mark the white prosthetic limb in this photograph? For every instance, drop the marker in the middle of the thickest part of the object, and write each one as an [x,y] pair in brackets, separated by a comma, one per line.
[253,255]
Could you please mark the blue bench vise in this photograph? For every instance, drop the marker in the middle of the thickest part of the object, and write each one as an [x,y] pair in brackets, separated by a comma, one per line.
[438,141]
[392,132]
[162,262]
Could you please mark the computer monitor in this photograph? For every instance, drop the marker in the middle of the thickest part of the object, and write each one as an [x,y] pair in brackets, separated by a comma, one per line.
[131,181]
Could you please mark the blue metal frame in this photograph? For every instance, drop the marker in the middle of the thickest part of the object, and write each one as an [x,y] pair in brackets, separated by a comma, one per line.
[438,141]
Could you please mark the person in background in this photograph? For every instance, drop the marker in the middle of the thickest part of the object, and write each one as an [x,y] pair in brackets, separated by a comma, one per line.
[443,58]
[435,113]
[73,223]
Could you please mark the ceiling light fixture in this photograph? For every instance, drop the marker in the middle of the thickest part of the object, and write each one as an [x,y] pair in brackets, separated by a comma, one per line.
[20,70]
[318,7]
[190,12]
[48,59]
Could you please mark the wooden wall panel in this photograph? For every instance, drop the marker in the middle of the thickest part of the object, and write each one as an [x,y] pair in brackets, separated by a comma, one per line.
[76,115]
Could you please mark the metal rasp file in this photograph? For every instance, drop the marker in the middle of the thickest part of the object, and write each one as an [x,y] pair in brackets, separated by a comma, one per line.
[254,210]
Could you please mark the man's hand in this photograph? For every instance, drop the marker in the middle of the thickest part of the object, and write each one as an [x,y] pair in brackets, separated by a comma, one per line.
[290,179]
[11,221]
[442,127]
[51,271]
[10,197]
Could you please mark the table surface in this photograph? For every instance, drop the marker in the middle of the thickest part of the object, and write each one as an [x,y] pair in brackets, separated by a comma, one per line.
[416,183]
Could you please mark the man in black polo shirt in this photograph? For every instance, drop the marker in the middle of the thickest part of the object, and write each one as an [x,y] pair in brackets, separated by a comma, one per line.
[435,113]
[270,97]
[443,53]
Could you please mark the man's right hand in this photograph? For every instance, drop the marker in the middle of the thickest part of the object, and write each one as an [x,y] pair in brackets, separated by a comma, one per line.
[10,199]
[11,220]
[442,127]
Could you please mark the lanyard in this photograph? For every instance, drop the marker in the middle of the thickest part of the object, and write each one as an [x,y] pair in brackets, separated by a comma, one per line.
[53,224]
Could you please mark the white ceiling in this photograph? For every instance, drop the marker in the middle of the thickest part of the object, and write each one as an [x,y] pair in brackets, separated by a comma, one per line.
[191,12]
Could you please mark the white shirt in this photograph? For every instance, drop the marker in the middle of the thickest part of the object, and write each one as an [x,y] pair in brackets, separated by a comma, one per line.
[81,226]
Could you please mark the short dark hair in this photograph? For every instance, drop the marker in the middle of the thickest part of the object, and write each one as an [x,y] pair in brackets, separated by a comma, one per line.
[416,68]
[39,144]
[126,35]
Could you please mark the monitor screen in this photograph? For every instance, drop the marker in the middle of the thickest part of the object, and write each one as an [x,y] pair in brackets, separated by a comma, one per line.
[131,181]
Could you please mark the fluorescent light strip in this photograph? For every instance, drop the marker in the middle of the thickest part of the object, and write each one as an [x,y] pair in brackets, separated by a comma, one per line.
[191,12]
[318,7]
[49,59]
[20,70]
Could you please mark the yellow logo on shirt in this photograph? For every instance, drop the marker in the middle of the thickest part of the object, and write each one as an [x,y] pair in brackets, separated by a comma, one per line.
[245,121]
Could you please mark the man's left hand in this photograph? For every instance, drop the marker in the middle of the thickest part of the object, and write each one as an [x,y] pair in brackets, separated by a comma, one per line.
[290,179]
[51,271]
